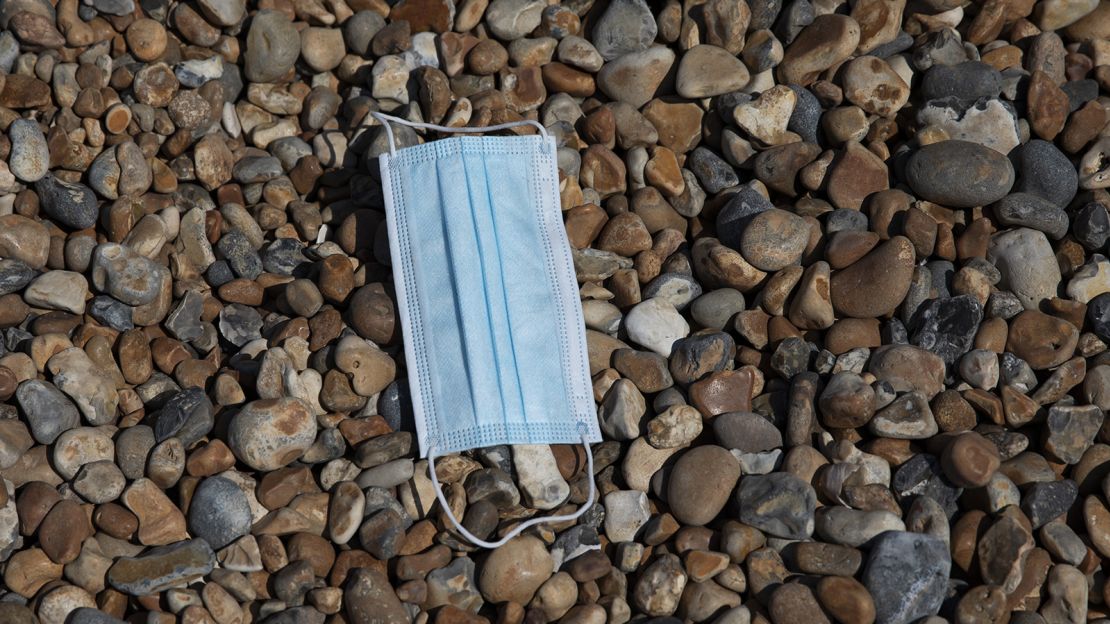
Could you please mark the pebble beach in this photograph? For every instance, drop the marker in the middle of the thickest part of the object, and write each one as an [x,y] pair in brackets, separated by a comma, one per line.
[843,268]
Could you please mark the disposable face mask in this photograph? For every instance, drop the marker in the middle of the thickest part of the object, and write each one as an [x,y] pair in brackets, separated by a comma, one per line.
[487,296]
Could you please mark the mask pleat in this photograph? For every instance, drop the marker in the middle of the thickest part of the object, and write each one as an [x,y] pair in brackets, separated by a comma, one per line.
[507,365]
[528,286]
[471,306]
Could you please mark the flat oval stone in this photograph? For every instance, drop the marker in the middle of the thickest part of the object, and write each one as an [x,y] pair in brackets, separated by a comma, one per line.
[30,158]
[70,204]
[700,484]
[271,433]
[960,174]
[161,568]
[875,284]
[219,512]
[48,410]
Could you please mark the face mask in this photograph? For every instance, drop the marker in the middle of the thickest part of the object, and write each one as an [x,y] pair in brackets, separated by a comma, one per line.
[487,297]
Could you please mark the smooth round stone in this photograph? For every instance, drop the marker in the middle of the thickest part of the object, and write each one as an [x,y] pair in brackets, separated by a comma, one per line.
[25,240]
[707,70]
[1045,341]
[907,575]
[273,45]
[716,308]
[1026,262]
[271,433]
[970,460]
[746,432]
[72,205]
[1032,211]
[219,512]
[774,239]
[700,484]
[959,174]
[656,325]
[875,284]
[29,160]
[58,290]
[1043,170]
[515,570]
[847,401]
[99,482]
[48,411]
[968,81]
[633,78]
[626,26]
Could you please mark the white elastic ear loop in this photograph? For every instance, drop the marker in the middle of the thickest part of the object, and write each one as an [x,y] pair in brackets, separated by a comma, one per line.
[386,119]
[523,525]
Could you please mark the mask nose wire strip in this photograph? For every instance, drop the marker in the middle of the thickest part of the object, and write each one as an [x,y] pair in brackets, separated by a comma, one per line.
[387,119]
[523,525]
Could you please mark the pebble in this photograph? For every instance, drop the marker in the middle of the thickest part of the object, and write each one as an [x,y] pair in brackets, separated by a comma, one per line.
[29,160]
[700,484]
[848,254]
[161,568]
[907,575]
[778,504]
[1018,254]
[71,204]
[219,512]
[515,570]
[985,175]
[271,433]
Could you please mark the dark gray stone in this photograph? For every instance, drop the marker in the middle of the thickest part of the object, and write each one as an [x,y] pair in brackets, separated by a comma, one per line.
[967,81]
[219,512]
[284,256]
[959,174]
[1045,171]
[1044,501]
[806,116]
[626,26]
[1032,211]
[735,216]
[1091,226]
[947,327]
[111,312]
[47,410]
[240,324]
[907,575]
[14,275]
[88,615]
[184,321]
[712,171]
[72,205]
[240,256]
[187,415]
[922,475]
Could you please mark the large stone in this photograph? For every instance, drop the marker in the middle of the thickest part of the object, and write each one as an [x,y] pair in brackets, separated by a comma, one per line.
[959,174]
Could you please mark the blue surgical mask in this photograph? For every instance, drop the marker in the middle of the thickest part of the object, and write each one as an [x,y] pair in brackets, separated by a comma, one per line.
[494,340]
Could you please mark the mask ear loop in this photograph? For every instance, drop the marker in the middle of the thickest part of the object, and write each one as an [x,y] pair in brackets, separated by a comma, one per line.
[523,525]
[385,120]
